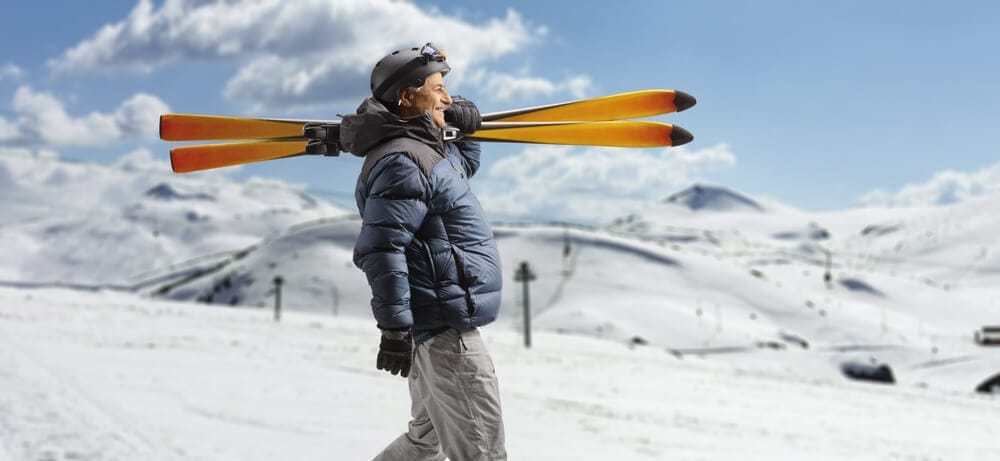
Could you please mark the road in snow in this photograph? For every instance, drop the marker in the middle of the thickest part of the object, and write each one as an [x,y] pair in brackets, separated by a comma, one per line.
[109,376]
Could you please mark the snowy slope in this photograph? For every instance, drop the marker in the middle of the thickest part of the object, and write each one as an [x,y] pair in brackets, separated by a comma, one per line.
[945,245]
[313,258]
[908,286]
[953,246]
[93,224]
[110,376]
[707,272]
[683,299]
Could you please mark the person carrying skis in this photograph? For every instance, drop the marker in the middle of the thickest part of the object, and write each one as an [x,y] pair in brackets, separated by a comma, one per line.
[429,255]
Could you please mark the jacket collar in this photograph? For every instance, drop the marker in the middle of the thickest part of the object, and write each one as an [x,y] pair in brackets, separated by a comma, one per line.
[374,124]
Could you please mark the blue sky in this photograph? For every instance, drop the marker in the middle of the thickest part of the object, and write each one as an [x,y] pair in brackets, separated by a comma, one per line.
[821,105]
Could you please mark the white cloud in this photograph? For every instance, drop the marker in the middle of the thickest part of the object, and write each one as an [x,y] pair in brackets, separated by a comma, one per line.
[591,184]
[39,176]
[140,115]
[8,130]
[42,120]
[141,159]
[305,52]
[945,187]
[506,87]
[11,71]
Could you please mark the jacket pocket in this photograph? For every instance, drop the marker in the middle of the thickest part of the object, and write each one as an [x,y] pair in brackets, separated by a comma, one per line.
[423,270]
[463,281]
[429,260]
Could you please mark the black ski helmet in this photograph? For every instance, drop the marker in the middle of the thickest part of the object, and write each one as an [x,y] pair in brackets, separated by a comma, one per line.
[405,68]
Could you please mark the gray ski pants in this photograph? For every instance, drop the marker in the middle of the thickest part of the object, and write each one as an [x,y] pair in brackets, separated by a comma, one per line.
[456,403]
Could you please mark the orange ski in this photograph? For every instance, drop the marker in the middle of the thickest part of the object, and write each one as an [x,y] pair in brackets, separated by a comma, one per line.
[635,104]
[619,133]
[187,159]
[625,133]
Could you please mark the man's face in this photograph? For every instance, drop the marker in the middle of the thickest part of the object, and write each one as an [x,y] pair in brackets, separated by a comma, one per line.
[432,97]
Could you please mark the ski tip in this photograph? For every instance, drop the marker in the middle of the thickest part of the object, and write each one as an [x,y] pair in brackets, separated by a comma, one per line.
[679,136]
[683,101]
[173,164]
[177,164]
[161,127]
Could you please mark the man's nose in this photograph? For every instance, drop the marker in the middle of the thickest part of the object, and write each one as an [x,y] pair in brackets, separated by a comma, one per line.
[447,98]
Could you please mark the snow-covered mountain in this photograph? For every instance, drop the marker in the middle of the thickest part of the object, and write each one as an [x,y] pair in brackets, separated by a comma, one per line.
[719,217]
[699,198]
[946,246]
[86,223]
[706,272]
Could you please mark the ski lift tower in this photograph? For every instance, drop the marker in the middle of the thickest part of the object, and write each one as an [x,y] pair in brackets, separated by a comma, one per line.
[524,274]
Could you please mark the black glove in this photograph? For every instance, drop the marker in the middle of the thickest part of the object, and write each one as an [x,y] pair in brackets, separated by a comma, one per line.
[464,115]
[394,352]
[324,139]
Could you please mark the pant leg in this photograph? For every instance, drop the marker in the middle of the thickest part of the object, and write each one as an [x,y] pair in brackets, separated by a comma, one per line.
[462,397]
[420,441]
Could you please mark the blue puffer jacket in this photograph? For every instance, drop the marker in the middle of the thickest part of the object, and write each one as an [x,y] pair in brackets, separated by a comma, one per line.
[425,243]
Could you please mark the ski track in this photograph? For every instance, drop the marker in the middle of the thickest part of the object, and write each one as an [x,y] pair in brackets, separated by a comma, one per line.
[107,376]
[44,416]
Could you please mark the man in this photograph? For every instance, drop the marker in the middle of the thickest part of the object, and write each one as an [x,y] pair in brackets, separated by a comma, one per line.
[429,255]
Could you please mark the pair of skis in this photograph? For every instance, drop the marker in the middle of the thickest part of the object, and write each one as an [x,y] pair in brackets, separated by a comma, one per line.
[601,121]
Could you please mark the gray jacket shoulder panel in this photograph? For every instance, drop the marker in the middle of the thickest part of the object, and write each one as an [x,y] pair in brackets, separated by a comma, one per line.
[423,156]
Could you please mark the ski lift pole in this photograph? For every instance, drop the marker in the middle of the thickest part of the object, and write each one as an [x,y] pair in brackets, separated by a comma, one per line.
[277,297]
[828,273]
[567,249]
[525,275]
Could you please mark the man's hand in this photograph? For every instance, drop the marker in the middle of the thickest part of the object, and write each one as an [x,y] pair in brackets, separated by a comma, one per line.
[394,352]
[464,115]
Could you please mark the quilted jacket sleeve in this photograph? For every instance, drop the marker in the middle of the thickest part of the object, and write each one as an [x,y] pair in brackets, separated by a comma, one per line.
[470,152]
[394,206]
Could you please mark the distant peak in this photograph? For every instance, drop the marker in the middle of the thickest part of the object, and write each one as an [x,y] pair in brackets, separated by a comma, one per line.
[714,198]
[164,191]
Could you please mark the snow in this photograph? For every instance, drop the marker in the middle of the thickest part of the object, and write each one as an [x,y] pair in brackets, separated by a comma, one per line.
[85,223]
[700,328]
[108,375]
